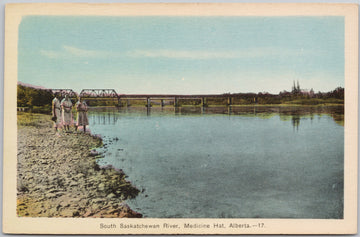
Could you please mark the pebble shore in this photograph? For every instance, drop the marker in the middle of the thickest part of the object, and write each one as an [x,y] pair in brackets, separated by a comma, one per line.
[58,176]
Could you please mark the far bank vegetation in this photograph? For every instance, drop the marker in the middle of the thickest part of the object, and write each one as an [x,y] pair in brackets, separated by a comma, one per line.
[39,100]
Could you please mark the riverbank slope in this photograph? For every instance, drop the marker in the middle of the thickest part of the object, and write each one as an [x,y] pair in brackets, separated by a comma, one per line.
[59,177]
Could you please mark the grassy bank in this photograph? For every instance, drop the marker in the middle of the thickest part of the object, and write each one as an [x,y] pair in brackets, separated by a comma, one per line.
[59,176]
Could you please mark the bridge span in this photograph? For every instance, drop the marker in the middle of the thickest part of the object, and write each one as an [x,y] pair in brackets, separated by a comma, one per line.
[149,99]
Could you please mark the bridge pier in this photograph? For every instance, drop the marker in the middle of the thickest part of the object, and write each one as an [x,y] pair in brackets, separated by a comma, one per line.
[176,102]
[162,103]
[148,102]
[229,100]
[203,101]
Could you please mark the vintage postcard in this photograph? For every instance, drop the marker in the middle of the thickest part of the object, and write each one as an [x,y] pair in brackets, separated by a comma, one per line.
[216,118]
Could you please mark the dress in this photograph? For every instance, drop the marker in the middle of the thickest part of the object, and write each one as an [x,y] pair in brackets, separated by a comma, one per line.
[66,105]
[56,111]
[82,118]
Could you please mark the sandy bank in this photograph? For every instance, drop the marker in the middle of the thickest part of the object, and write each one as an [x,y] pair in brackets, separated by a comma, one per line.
[58,176]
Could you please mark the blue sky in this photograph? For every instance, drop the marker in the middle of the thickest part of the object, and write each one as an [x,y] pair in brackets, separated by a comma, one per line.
[183,55]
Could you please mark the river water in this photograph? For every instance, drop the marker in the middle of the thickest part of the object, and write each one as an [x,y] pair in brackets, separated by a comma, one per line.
[244,162]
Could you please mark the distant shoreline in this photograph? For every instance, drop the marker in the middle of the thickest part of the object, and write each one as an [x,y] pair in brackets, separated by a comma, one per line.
[45,109]
[35,97]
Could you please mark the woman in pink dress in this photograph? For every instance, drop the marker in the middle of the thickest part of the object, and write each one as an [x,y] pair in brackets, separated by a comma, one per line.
[66,106]
[82,119]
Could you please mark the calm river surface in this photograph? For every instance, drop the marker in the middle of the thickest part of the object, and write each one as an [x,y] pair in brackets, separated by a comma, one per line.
[264,162]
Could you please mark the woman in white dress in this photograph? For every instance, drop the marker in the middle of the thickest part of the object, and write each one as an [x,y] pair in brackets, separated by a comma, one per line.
[56,112]
[66,106]
[82,118]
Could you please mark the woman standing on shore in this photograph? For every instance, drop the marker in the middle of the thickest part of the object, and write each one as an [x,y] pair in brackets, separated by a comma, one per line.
[66,106]
[56,112]
[82,119]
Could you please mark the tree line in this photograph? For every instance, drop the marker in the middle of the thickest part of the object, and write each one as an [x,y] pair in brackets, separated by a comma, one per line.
[29,96]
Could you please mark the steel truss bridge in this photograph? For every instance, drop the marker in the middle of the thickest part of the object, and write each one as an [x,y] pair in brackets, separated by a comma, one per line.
[128,99]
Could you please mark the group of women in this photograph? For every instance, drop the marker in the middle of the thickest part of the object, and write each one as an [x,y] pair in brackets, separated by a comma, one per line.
[62,113]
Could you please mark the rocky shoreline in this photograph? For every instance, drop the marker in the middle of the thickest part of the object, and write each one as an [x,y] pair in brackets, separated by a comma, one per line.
[58,175]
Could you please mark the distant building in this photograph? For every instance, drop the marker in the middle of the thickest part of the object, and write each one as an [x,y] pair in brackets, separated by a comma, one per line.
[297,90]
[307,92]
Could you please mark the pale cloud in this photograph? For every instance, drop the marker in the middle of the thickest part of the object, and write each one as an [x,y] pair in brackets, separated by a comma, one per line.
[49,53]
[179,54]
[86,53]
[204,55]
[73,52]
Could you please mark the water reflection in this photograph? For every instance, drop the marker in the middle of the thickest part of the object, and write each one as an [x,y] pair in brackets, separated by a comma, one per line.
[110,115]
[295,121]
[103,118]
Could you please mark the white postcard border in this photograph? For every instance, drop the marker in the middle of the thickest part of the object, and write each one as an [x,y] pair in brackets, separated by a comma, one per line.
[14,224]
